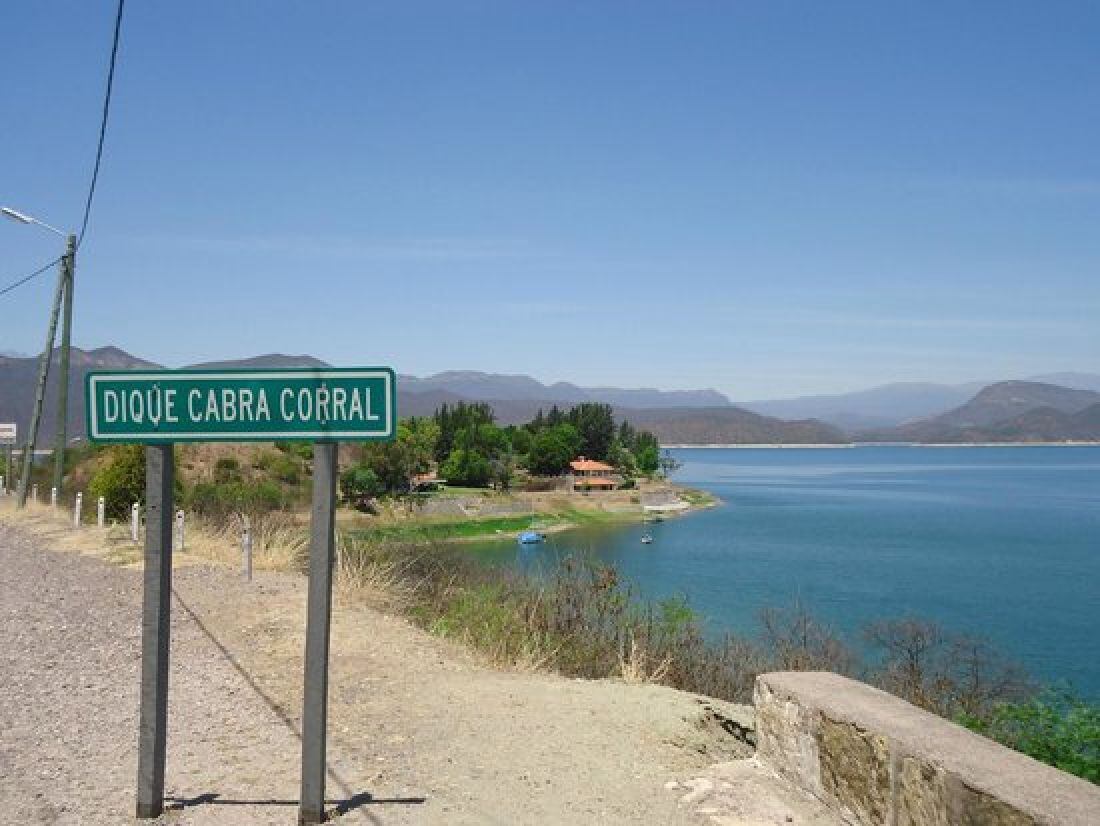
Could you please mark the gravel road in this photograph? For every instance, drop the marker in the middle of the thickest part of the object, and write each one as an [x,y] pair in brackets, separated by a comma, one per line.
[420,732]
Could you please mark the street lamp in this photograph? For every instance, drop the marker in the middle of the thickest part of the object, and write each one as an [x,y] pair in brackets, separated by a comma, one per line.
[64,294]
[23,218]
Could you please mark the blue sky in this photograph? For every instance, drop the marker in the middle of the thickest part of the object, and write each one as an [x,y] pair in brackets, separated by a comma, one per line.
[768,198]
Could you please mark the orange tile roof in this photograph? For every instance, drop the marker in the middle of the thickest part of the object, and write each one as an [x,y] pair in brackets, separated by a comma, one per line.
[590,464]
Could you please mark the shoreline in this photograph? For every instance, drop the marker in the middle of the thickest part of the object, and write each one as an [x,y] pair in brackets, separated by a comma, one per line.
[557,514]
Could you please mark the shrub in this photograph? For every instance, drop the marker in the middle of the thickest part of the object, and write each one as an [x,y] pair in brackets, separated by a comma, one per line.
[302,450]
[227,469]
[467,468]
[121,481]
[359,485]
[216,500]
[1056,727]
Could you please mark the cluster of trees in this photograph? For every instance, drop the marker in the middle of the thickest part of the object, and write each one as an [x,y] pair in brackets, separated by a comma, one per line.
[470,449]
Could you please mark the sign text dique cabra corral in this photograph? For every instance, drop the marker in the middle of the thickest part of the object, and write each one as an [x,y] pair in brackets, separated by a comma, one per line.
[150,406]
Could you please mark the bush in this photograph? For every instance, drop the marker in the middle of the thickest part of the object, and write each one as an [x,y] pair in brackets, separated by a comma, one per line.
[1056,727]
[121,481]
[359,485]
[284,467]
[302,450]
[467,468]
[227,469]
[216,500]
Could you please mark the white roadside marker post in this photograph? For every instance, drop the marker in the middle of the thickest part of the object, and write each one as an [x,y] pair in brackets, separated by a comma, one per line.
[34,493]
[246,550]
[53,497]
[76,509]
[179,530]
[101,512]
[135,516]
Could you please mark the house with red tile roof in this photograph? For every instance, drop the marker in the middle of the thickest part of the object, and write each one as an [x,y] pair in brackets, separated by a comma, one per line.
[588,474]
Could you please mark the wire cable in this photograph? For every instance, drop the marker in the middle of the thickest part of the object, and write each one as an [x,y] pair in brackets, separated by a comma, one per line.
[21,281]
[102,123]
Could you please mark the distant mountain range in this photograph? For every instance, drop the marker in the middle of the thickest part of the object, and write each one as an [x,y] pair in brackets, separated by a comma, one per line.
[890,405]
[1006,411]
[1023,411]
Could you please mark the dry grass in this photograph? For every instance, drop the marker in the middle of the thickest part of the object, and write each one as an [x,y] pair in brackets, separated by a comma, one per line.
[364,575]
[279,543]
[639,666]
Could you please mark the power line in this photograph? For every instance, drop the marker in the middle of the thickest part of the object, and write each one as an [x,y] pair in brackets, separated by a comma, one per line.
[21,281]
[103,122]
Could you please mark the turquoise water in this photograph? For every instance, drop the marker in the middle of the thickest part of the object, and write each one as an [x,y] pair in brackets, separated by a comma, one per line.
[999,542]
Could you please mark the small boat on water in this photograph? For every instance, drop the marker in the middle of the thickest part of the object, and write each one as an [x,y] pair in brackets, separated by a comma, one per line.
[530,537]
[647,539]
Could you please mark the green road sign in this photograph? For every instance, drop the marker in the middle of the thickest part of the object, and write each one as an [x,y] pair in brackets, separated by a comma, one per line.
[337,405]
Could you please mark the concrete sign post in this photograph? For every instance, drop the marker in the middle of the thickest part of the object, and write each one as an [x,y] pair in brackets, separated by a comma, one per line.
[161,407]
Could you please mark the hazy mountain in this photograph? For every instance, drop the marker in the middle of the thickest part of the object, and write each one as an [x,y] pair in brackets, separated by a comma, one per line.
[1006,411]
[271,360]
[729,425]
[504,387]
[877,407]
[19,376]
[1080,381]
[1041,424]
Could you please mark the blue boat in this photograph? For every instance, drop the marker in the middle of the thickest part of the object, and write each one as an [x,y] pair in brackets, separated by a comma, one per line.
[530,537]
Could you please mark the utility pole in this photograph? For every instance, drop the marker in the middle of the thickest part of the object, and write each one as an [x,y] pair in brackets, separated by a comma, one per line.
[40,391]
[68,271]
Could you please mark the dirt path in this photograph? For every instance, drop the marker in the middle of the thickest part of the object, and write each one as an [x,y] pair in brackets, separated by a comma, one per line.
[419,732]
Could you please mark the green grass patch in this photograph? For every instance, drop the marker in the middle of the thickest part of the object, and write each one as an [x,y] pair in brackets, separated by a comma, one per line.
[441,530]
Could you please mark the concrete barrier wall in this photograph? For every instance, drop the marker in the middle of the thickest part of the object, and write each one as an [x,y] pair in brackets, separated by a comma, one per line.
[880,761]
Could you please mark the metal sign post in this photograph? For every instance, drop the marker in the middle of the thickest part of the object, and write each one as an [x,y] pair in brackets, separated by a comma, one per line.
[322,546]
[161,407]
[155,624]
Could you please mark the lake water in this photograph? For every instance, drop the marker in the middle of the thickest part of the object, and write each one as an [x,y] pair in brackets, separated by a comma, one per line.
[1002,542]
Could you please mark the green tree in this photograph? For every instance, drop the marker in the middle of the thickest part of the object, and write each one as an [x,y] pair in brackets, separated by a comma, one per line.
[418,435]
[647,453]
[451,420]
[553,449]
[596,425]
[359,484]
[467,467]
[501,471]
[622,460]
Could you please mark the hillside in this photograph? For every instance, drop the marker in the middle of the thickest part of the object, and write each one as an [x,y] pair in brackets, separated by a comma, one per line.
[674,415]
[729,425]
[1007,412]
[18,377]
[501,387]
[885,406]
